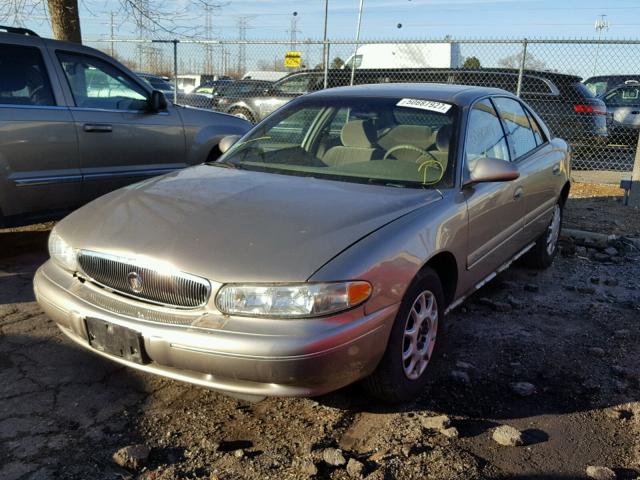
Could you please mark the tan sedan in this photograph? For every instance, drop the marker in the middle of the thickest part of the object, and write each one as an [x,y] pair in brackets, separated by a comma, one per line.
[324,247]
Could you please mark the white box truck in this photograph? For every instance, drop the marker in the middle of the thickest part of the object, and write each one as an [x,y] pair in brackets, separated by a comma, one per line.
[406,55]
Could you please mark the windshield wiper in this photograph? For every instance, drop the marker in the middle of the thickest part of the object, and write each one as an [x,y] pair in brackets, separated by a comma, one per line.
[396,183]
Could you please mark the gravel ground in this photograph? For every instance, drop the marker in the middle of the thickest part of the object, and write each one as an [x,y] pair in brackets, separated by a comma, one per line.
[555,355]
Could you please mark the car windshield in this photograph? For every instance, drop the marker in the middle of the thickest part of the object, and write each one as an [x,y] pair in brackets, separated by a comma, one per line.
[404,142]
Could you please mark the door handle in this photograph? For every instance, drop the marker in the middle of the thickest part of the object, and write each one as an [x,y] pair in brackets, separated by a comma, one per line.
[556,169]
[97,127]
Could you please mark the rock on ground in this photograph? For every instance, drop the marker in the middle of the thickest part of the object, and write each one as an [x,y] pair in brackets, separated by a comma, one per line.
[333,456]
[440,422]
[508,436]
[132,457]
[355,468]
[600,473]
[524,389]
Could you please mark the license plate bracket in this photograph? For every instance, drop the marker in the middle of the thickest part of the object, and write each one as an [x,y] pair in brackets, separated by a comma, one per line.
[116,340]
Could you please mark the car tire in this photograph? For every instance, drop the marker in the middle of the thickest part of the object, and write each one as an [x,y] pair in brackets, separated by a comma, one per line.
[242,113]
[395,379]
[546,247]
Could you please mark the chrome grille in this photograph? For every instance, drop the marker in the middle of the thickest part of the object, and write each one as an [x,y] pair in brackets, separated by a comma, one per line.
[176,289]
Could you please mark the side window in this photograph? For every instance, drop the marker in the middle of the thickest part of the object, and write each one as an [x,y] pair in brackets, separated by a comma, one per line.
[297,85]
[95,83]
[538,133]
[23,77]
[485,137]
[516,124]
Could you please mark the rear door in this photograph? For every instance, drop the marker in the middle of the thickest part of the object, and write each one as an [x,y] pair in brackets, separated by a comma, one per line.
[39,162]
[286,90]
[120,142]
[539,165]
[496,212]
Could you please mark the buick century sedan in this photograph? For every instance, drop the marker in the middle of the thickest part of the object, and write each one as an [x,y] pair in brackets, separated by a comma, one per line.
[323,247]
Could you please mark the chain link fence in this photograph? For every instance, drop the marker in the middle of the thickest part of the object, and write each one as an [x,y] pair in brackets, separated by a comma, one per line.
[587,91]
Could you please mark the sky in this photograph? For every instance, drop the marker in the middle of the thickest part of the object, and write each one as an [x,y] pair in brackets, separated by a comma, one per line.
[419,19]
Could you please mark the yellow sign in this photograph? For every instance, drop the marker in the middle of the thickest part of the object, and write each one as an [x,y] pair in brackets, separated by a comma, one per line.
[292,59]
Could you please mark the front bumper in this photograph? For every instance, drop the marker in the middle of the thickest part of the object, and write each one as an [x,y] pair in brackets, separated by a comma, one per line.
[245,356]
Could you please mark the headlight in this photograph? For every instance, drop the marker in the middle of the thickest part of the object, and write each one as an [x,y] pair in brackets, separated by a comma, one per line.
[62,253]
[291,301]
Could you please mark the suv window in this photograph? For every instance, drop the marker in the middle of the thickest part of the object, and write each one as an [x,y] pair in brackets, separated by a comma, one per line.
[629,95]
[95,83]
[517,126]
[23,77]
[485,137]
[297,85]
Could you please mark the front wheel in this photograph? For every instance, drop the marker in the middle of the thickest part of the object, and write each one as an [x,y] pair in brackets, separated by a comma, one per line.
[401,374]
[544,251]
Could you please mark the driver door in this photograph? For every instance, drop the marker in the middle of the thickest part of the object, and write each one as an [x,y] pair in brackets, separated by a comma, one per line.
[120,142]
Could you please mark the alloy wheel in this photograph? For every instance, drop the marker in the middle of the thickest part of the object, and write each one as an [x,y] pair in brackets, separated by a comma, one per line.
[553,232]
[420,331]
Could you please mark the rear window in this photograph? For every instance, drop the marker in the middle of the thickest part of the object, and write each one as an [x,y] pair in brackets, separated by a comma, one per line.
[23,77]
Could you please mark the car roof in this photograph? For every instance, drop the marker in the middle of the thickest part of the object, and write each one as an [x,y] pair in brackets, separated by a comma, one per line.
[449,93]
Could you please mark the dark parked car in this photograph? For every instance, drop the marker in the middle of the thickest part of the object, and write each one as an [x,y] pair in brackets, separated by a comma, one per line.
[601,84]
[210,88]
[75,124]
[165,86]
[568,107]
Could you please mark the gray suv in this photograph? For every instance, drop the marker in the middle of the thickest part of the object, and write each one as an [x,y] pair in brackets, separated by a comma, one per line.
[75,124]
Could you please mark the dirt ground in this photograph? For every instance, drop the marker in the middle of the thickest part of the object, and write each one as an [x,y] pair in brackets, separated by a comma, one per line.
[572,332]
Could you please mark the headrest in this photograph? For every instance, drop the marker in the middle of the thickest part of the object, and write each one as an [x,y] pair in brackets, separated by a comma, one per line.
[358,134]
[443,138]
[416,135]
[14,78]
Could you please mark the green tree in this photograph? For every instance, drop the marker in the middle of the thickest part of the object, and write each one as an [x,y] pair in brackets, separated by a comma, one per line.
[471,62]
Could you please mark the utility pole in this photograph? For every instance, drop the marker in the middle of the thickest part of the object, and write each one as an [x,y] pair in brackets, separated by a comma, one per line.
[325,50]
[294,30]
[355,51]
[601,24]
[112,29]
[242,48]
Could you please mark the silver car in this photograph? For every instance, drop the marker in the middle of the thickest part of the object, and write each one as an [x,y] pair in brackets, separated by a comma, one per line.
[324,247]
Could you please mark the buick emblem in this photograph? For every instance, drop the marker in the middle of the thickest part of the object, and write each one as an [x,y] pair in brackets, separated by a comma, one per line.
[135,281]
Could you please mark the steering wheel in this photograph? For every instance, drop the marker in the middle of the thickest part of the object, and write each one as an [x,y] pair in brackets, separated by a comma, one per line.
[32,95]
[425,162]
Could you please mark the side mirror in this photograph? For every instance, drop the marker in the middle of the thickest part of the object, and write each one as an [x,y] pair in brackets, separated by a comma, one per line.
[488,169]
[157,102]
[227,142]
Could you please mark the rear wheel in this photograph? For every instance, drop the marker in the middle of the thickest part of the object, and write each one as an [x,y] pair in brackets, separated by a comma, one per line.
[402,372]
[242,113]
[544,251]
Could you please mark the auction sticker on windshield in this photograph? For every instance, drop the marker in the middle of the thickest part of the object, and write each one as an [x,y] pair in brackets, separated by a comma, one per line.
[424,105]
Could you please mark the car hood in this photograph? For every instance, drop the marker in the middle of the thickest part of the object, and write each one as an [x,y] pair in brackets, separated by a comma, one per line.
[231,225]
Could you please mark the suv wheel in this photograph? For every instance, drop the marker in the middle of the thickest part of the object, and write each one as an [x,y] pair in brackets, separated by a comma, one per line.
[401,374]
[544,251]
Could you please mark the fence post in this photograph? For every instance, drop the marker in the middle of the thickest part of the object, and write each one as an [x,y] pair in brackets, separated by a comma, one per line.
[634,192]
[175,70]
[327,47]
[522,64]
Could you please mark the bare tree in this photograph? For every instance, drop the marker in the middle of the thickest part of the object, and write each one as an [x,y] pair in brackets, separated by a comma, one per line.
[530,63]
[65,20]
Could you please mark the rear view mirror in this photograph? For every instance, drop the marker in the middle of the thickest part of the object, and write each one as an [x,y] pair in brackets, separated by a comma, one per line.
[227,142]
[488,169]
[157,102]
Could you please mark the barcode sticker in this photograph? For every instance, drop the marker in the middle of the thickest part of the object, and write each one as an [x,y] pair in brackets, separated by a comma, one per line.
[424,105]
